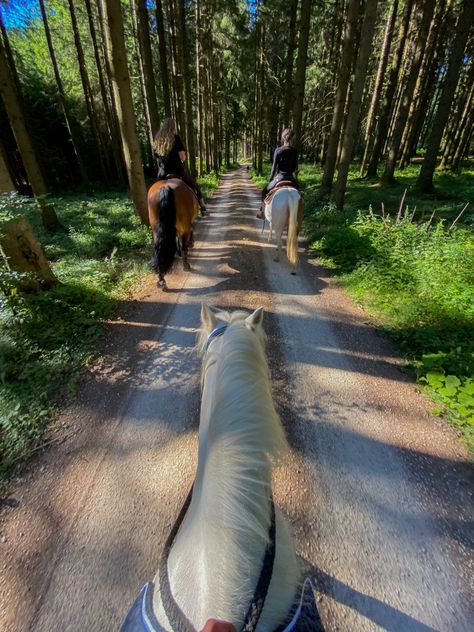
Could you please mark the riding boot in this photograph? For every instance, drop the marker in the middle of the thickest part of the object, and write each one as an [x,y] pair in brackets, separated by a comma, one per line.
[260,214]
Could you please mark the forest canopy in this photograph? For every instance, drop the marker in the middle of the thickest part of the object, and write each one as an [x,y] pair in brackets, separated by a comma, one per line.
[379,82]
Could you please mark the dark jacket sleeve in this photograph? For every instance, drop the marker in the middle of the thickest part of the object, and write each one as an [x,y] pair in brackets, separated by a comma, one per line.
[178,144]
[275,164]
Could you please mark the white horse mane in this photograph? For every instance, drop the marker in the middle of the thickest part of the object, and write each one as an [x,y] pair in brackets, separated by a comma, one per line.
[244,425]
[216,559]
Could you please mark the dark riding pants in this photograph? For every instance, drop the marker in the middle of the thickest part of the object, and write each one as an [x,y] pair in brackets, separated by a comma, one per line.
[185,177]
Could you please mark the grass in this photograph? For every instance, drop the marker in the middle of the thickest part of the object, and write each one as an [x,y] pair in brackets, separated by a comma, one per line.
[411,271]
[46,338]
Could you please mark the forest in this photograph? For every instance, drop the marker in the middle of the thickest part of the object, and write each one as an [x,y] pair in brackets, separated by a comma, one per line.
[379,93]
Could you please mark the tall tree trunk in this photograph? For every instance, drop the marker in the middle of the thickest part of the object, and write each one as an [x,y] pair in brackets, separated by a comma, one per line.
[338,19]
[374,104]
[62,96]
[387,107]
[111,123]
[178,78]
[89,99]
[425,179]
[143,32]
[199,62]
[425,83]
[125,107]
[423,17]
[290,54]
[300,75]
[462,118]
[261,82]
[187,83]
[16,117]
[165,82]
[350,132]
[464,141]
[137,63]
[341,94]
[6,180]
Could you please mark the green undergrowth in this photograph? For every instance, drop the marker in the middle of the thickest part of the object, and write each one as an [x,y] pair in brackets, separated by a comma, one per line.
[46,338]
[412,270]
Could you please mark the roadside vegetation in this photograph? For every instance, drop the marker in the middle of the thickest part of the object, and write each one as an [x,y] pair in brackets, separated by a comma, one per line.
[47,337]
[411,265]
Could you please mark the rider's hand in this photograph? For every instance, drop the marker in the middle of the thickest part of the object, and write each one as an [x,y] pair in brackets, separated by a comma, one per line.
[217,625]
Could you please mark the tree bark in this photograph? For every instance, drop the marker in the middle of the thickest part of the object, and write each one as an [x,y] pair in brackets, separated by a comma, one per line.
[16,117]
[424,84]
[464,141]
[198,85]
[6,181]
[300,75]
[423,17]
[89,99]
[459,119]
[136,62]
[387,107]
[341,94]
[111,123]
[165,82]
[62,96]
[185,73]
[374,104]
[22,252]
[290,54]
[125,107]
[465,20]
[143,33]
[350,132]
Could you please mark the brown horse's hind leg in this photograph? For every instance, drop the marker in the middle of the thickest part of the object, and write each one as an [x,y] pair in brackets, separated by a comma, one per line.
[184,246]
[161,283]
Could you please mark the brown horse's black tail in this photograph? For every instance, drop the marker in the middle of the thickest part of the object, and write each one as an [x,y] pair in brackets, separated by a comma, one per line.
[165,238]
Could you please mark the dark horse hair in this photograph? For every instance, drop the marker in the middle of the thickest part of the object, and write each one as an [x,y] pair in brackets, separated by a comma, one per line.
[165,238]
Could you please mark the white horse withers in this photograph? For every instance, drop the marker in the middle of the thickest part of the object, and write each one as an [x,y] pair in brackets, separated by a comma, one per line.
[285,209]
[215,561]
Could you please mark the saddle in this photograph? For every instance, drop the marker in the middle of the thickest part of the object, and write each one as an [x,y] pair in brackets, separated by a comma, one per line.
[173,176]
[279,185]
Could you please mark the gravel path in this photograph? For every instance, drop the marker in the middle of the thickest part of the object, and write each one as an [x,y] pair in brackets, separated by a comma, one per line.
[379,492]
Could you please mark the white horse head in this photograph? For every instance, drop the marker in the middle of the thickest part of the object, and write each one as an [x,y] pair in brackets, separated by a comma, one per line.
[215,562]
[285,209]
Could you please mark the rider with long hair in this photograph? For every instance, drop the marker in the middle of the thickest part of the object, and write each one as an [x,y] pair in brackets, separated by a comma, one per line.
[171,154]
[285,164]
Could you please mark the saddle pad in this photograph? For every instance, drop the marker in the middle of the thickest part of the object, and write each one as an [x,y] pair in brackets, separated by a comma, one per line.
[283,184]
[141,618]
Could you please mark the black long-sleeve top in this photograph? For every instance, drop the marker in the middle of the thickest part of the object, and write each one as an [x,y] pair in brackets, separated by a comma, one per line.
[285,160]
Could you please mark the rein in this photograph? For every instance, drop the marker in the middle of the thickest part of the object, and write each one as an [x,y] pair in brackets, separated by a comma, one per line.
[178,620]
[215,333]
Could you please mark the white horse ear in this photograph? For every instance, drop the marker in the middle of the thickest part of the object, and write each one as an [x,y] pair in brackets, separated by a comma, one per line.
[255,319]
[208,318]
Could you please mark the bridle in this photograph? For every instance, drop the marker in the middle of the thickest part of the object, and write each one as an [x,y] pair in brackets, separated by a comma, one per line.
[176,617]
[215,333]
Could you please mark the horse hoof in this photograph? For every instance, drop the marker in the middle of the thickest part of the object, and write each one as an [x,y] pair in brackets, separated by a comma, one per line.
[161,285]
[186,266]
[294,273]
[276,260]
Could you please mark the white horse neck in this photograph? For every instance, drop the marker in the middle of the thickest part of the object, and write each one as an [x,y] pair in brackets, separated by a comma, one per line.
[216,560]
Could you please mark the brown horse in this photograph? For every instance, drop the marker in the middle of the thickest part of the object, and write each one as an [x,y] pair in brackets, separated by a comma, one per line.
[172,208]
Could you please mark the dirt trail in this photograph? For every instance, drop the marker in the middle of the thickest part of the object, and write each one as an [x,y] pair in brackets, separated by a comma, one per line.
[379,492]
